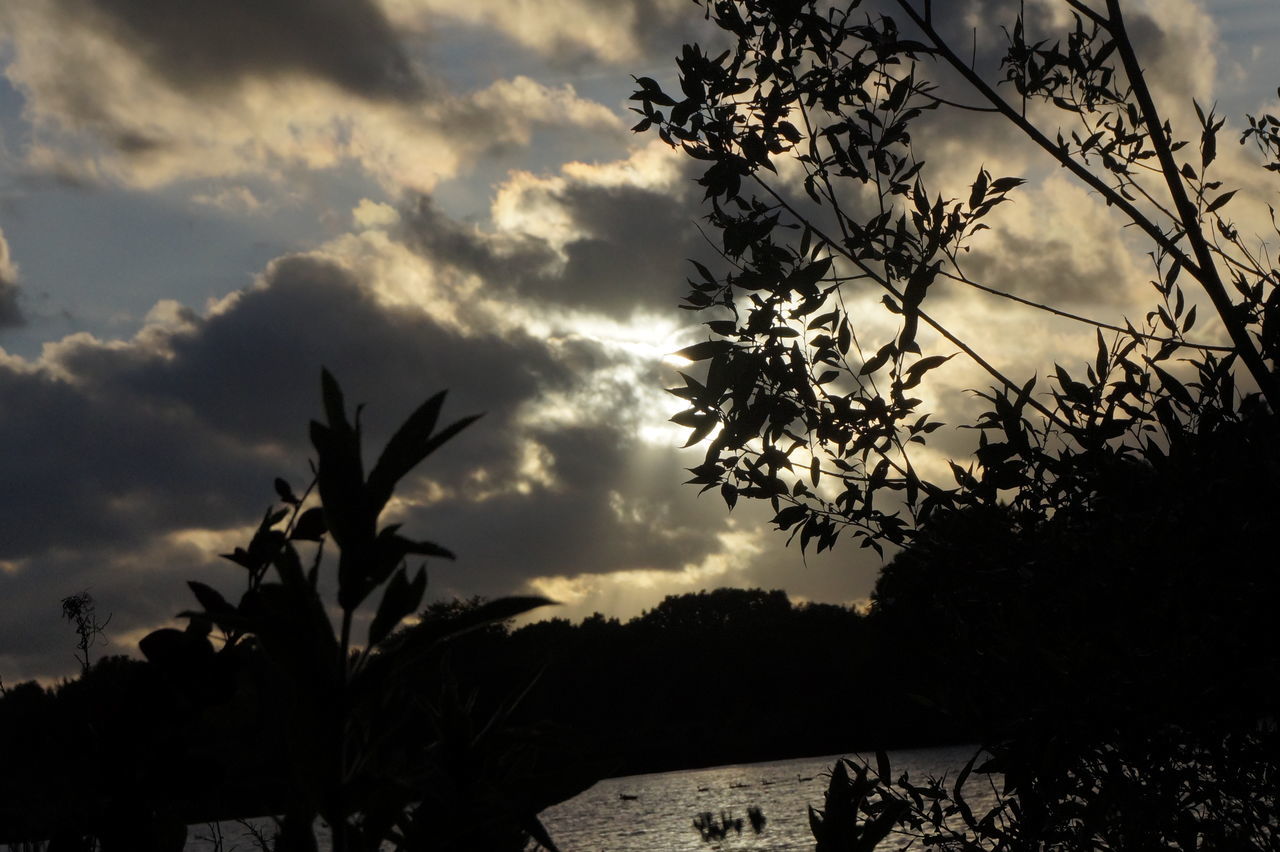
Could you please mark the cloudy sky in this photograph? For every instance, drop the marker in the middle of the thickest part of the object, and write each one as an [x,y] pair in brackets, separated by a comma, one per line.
[199,208]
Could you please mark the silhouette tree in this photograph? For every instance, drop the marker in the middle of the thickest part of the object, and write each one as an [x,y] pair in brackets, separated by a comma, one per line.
[81,611]
[818,194]
[1075,543]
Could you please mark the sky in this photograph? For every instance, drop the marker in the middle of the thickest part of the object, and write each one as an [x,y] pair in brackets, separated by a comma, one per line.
[203,204]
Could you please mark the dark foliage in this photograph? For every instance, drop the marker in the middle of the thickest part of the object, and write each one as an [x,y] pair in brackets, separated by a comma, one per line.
[286,714]
[1091,590]
[725,676]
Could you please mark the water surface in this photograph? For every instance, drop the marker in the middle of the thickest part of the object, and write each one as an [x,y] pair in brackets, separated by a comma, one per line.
[660,816]
[655,813]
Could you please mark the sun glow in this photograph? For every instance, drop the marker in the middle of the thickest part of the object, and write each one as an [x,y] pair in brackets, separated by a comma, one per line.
[626,593]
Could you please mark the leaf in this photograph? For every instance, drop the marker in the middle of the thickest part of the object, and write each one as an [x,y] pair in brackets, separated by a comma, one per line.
[211,599]
[1075,391]
[704,272]
[241,557]
[1101,360]
[289,567]
[964,775]
[1175,388]
[285,492]
[878,360]
[882,766]
[334,406]
[702,425]
[426,636]
[168,647]
[401,452]
[400,599]
[979,189]
[310,525]
[1190,321]
[1005,184]
[789,516]
[878,829]
[340,482]
[924,365]
[704,350]
[810,275]
[409,447]
[408,546]
[1220,201]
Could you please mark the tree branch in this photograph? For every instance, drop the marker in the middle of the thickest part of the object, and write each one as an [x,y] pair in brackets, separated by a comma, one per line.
[1207,274]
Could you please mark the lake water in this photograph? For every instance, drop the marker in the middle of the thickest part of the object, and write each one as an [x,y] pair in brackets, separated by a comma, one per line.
[660,817]
[658,812]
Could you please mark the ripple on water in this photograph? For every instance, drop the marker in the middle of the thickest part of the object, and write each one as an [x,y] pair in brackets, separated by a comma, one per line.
[660,817]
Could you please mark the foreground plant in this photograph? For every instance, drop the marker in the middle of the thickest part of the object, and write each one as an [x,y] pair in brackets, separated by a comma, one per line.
[358,743]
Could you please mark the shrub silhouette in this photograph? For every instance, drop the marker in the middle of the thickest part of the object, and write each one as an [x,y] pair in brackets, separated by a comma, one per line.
[357,744]
[288,714]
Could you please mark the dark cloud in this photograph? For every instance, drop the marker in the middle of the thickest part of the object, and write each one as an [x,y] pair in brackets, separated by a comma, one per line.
[123,445]
[11,315]
[442,239]
[619,507]
[251,373]
[633,253]
[205,45]
[1046,269]
[98,466]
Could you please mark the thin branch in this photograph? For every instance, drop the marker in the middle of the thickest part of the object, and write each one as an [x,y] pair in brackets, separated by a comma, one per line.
[1207,275]
[888,286]
[1032,132]
[963,279]
[957,105]
[1097,18]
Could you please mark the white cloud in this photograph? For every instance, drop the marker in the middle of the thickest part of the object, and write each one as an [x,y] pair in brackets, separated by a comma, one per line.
[230,199]
[370,214]
[626,593]
[612,32]
[10,309]
[100,112]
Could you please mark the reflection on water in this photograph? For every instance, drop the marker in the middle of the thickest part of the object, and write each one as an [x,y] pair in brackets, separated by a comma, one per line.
[655,813]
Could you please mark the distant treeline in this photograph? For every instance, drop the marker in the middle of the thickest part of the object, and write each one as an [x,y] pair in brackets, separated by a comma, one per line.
[719,676]
[723,676]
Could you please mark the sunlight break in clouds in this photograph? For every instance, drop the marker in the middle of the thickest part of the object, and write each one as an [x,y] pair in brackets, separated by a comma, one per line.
[10,310]
[626,593]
